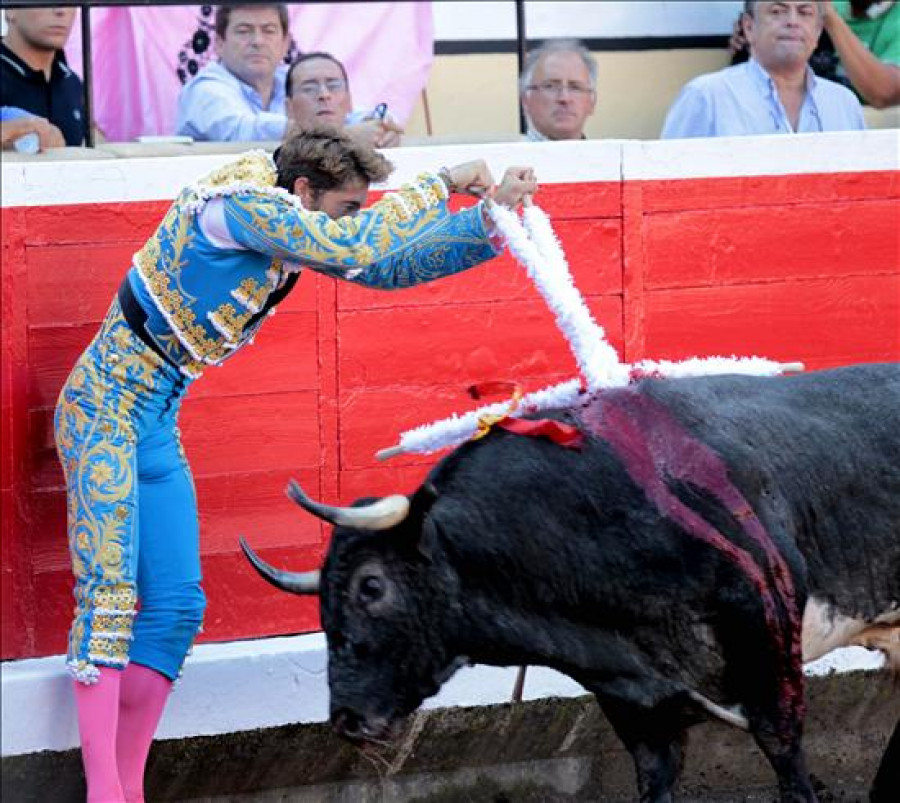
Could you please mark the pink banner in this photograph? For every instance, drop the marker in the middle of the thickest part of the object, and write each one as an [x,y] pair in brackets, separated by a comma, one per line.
[137,53]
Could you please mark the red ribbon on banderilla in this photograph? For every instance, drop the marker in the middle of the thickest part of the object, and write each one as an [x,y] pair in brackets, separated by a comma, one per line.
[555,431]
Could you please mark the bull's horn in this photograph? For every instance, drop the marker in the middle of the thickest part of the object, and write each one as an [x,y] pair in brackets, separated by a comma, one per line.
[295,582]
[378,515]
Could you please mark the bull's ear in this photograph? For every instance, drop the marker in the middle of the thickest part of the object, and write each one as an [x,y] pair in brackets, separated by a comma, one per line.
[422,500]
[428,538]
[421,529]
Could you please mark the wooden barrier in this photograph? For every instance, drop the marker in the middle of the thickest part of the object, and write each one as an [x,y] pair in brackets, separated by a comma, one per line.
[784,247]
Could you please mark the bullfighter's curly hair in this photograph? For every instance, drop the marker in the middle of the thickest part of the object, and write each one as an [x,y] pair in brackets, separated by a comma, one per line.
[328,158]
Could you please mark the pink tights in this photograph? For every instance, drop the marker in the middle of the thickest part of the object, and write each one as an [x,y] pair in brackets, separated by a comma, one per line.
[98,719]
[117,717]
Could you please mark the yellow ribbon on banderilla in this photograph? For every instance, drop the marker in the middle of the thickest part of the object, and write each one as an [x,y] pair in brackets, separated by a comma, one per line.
[487,420]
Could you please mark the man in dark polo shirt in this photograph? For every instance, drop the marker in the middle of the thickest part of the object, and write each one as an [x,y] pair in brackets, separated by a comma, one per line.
[34,76]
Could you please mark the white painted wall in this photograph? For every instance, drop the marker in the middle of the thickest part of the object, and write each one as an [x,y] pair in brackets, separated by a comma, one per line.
[586,20]
[100,178]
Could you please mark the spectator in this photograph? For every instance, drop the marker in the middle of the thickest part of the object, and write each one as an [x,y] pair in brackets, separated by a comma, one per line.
[240,97]
[24,132]
[35,78]
[866,36]
[823,61]
[318,91]
[775,92]
[558,90]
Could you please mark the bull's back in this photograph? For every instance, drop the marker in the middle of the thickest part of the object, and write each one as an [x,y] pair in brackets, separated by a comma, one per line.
[818,456]
[793,421]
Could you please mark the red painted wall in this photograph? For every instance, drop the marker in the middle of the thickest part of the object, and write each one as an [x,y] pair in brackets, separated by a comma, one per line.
[789,267]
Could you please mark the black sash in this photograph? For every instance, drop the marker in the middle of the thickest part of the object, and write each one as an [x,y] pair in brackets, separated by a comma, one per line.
[136,317]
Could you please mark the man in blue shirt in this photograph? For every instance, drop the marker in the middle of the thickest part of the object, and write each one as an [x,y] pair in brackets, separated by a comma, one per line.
[775,92]
[241,98]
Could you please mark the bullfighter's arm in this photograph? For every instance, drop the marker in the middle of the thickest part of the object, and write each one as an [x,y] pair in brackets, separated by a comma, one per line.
[406,238]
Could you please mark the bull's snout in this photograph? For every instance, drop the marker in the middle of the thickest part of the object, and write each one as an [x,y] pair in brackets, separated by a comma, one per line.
[358,728]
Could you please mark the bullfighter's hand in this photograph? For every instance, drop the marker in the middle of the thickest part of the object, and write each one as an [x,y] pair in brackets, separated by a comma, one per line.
[517,186]
[469,178]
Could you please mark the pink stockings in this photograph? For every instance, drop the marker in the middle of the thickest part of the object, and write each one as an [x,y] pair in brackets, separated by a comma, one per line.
[142,699]
[117,717]
[98,718]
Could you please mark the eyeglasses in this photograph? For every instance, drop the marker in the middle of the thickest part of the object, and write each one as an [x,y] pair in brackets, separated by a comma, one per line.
[556,88]
[331,85]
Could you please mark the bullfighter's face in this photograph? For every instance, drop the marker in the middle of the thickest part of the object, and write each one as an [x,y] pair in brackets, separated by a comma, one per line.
[343,201]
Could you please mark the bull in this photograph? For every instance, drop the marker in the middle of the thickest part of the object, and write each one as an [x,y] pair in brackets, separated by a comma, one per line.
[706,538]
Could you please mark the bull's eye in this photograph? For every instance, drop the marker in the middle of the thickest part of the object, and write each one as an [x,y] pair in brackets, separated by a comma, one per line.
[371,588]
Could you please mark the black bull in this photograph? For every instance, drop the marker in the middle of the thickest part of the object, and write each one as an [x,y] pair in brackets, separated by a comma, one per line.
[709,536]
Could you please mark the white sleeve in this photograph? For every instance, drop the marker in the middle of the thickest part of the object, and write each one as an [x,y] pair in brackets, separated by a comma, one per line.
[212,223]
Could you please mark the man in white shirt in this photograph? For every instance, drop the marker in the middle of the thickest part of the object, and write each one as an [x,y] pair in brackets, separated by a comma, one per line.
[775,92]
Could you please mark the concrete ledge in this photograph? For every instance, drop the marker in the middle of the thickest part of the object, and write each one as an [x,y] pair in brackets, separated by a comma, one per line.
[232,687]
[553,749]
[131,172]
[248,685]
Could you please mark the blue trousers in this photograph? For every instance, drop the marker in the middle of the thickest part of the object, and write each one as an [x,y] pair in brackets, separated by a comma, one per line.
[132,509]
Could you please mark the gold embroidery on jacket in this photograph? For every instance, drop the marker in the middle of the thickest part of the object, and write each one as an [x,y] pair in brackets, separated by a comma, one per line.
[348,242]
[162,274]
[345,246]
[251,294]
[229,322]
[97,455]
[254,168]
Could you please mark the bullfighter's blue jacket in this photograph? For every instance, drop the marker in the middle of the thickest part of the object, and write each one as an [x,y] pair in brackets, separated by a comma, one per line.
[232,239]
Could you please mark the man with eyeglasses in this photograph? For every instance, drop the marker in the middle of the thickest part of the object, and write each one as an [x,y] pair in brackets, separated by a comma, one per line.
[558,90]
[775,91]
[242,97]
[318,91]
